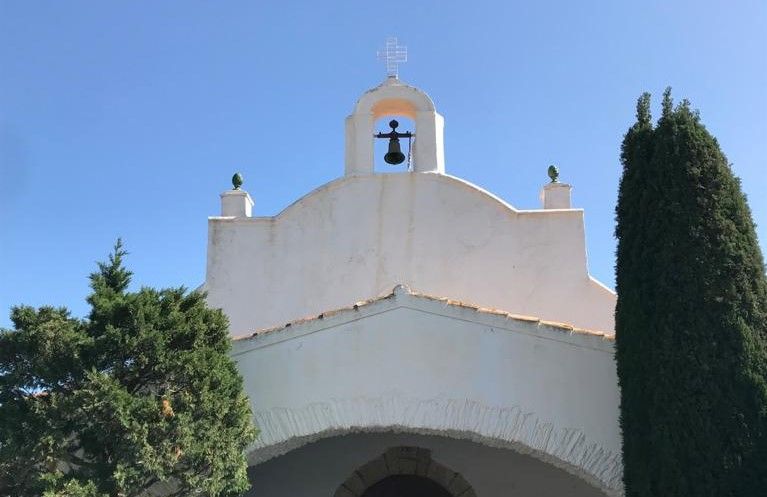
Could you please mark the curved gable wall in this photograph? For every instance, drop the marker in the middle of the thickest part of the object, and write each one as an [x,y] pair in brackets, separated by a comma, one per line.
[359,236]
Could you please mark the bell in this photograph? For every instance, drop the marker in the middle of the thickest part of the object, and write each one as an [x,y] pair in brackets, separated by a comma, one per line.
[394,156]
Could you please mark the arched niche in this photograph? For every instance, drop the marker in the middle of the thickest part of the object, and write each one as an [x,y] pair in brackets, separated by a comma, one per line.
[393,98]
[406,471]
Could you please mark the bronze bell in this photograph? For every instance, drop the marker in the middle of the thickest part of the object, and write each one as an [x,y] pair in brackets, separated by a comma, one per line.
[394,155]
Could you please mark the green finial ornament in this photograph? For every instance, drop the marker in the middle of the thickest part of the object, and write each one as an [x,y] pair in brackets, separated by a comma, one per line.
[554,173]
[237,181]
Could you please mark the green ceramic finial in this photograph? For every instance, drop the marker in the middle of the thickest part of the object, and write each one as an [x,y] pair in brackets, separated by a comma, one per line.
[554,173]
[237,181]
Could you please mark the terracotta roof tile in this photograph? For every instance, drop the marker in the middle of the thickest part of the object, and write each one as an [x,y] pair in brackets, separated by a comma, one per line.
[570,329]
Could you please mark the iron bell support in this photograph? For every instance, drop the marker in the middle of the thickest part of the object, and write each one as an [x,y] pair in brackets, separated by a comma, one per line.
[394,156]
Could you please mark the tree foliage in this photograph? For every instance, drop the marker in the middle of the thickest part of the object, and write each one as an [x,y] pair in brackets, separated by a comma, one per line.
[690,317]
[140,396]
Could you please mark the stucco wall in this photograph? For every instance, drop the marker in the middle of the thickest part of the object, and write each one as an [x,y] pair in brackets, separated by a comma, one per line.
[318,469]
[357,237]
[424,366]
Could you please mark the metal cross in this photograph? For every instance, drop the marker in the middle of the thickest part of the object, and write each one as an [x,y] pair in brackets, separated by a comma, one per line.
[393,54]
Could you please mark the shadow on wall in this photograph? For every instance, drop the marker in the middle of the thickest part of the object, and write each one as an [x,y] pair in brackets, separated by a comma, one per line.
[405,472]
[352,465]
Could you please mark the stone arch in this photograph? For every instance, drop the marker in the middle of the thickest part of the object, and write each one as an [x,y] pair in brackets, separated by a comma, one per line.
[404,461]
[512,427]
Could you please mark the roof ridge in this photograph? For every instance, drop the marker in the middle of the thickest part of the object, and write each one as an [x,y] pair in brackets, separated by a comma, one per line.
[402,289]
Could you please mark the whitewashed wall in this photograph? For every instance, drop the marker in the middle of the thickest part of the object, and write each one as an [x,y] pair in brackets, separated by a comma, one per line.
[357,237]
[414,364]
[406,362]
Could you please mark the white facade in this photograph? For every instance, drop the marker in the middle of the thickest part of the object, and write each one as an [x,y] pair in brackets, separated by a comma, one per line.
[357,237]
[452,352]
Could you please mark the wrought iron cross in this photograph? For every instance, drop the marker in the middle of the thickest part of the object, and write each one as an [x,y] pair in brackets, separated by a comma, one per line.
[393,54]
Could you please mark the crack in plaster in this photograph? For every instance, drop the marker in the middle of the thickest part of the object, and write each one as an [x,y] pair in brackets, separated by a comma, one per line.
[570,449]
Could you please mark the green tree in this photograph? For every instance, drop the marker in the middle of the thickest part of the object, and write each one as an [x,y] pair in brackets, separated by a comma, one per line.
[690,317]
[140,395]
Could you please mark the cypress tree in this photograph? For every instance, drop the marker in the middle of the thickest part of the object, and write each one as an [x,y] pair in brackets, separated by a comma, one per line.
[690,316]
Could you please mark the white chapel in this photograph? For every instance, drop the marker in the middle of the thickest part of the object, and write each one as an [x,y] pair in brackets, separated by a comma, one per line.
[411,334]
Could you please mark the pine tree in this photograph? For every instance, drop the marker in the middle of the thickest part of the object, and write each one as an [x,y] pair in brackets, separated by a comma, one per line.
[690,316]
[141,395]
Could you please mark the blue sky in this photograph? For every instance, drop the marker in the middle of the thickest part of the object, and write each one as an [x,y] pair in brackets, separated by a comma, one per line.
[128,118]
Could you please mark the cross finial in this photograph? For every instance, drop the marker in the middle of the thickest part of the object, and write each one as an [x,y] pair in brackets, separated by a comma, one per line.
[393,54]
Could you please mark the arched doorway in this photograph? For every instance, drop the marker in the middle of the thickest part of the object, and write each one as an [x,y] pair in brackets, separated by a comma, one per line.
[406,486]
[405,472]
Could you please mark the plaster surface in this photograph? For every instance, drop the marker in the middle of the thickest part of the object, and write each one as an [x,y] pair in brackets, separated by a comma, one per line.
[319,468]
[503,373]
[357,237]
[415,364]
